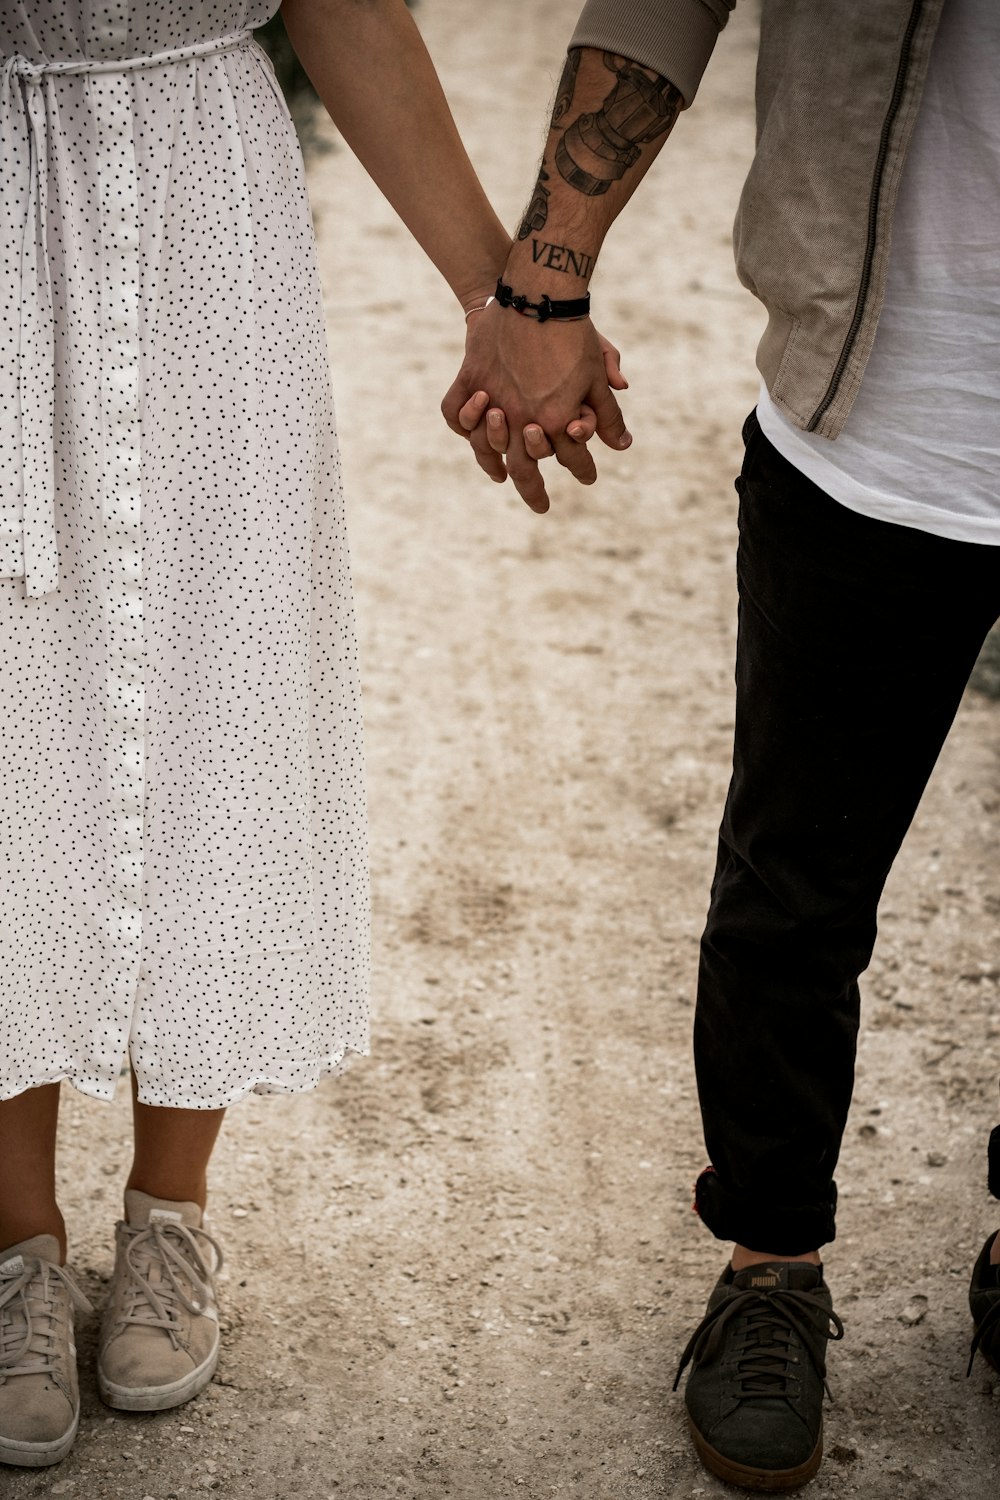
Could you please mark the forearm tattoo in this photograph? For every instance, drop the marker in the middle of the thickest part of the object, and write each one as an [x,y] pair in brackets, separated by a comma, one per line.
[597,149]
[567,86]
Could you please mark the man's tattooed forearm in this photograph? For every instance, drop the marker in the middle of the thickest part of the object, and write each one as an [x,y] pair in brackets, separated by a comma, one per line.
[561,258]
[538,209]
[598,149]
[567,86]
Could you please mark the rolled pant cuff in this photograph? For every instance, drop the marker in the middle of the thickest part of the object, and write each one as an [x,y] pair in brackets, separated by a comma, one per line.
[778,1228]
[993,1177]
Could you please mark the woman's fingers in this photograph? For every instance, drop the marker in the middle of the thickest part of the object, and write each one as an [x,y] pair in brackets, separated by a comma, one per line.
[471,413]
[497,432]
[536,443]
[583,429]
[487,433]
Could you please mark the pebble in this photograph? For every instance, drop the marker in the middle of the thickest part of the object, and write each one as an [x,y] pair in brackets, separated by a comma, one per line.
[914,1312]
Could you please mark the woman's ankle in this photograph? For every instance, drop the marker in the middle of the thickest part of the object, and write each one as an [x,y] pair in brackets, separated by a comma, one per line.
[168,1186]
[25,1224]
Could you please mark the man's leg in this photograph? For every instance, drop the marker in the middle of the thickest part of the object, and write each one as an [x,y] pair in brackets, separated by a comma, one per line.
[856,640]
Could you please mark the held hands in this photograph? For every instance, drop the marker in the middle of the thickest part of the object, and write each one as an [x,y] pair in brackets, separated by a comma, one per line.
[527,391]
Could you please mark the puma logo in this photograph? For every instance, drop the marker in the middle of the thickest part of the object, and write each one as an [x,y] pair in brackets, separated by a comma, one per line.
[770,1280]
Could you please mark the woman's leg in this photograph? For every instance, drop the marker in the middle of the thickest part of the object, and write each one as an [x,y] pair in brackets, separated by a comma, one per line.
[172,1150]
[160,1335]
[28,1167]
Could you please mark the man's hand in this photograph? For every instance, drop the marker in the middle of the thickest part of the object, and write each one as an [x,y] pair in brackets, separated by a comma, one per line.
[538,380]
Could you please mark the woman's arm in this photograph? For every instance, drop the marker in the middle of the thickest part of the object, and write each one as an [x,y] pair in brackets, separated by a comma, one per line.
[368,64]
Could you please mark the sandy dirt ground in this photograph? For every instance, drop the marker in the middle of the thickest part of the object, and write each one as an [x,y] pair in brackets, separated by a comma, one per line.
[468,1268]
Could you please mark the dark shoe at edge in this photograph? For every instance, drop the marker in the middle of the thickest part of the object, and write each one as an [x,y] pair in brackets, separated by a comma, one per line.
[754,1396]
[984,1303]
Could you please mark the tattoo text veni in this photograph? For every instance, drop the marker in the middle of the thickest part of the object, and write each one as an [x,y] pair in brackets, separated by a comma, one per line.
[561,258]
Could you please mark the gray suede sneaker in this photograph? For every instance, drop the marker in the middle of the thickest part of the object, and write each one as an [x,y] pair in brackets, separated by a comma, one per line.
[39,1395]
[755,1392]
[160,1336]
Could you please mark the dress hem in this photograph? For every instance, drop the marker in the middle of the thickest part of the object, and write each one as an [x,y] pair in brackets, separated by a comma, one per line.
[269,1086]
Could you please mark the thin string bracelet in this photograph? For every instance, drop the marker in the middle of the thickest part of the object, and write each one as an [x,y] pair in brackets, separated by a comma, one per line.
[480,307]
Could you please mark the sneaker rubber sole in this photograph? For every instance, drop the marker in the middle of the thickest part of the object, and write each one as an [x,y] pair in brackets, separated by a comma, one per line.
[157,1397]
[755,1479]
[38,1455]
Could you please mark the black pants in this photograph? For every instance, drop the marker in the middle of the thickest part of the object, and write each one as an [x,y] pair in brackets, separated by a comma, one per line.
[856,640]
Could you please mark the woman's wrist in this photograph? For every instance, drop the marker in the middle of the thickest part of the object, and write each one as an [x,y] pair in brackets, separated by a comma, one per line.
[481,284]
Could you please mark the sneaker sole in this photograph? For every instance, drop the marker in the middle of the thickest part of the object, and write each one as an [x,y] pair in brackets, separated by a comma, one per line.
[38,1455]
[157,1397]
[755,1479]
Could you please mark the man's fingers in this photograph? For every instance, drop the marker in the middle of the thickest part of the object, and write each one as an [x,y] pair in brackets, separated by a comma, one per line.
[491,463]
[611,427]
[612,363]
[471,413]
[575,457]
[612,367]
[523,469]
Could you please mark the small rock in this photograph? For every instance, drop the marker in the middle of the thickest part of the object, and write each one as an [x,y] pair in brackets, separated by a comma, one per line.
[841,1454]
[914,1312]
[935,1159]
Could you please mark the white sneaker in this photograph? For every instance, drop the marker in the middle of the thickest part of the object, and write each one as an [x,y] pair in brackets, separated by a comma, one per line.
[39,1394]
[160,1335]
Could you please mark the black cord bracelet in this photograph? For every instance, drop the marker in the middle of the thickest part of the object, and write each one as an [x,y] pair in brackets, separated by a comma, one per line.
[573,307]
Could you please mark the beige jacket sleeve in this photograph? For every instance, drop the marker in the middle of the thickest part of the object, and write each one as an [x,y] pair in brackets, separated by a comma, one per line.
[676,37]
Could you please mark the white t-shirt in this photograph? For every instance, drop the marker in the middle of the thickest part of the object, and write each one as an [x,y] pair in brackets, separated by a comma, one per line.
[921,445]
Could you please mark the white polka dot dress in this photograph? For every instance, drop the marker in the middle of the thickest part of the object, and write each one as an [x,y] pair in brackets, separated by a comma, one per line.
[183,861]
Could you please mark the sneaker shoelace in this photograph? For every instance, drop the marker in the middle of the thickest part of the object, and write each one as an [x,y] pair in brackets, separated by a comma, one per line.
[31,1315]
[766,1351]
[184,1278]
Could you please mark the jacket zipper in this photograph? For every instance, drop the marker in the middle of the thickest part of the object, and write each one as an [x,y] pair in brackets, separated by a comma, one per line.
[873,203]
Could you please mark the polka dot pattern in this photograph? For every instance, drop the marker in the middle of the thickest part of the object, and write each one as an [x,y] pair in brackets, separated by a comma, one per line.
[183,856]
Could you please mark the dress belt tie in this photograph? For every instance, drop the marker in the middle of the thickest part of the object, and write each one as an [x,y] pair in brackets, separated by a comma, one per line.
[28,545]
